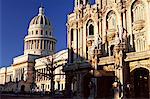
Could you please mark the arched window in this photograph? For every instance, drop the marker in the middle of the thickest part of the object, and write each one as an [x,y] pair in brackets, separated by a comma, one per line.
[36,32]
[46,33]
[111,20]
[41,32]
[91,29]
[137,11]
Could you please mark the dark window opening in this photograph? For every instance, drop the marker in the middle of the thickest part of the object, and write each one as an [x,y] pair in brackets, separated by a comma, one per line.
[71,56]
[36,32]
[111,50]
[41,32]
[71,34]
[86,53]
[91,29]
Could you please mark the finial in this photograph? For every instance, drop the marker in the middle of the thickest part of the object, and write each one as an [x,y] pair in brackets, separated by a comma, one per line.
[41,9]
[41,5]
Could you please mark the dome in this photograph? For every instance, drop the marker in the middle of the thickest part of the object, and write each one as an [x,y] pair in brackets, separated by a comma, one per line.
[41,19]
[39,40]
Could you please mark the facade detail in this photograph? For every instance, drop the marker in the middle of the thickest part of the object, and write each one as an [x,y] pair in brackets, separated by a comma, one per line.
[109,49]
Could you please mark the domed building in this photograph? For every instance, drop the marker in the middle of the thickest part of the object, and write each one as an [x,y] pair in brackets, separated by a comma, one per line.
[39,45]
[39,40]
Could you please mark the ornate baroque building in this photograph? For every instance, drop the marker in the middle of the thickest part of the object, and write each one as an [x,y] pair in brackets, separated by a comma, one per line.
[109,49]
[39,45]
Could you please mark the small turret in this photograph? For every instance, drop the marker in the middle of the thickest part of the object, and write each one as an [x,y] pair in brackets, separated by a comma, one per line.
[80,3]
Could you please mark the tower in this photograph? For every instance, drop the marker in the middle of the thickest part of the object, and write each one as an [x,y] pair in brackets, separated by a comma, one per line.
[79,3]
[39,40]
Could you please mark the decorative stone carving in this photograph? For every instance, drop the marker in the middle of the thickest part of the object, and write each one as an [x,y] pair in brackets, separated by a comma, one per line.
[138,25]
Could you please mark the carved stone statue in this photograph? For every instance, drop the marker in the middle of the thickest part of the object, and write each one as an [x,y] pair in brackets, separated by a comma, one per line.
[117,58]
[117,39]
[95,45]
[99,43]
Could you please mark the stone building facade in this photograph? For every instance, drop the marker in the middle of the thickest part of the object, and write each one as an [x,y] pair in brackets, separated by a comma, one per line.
[59,60]
[109,49]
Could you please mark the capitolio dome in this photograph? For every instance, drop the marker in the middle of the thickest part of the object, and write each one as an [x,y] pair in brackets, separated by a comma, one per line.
[40,40]
[41,19]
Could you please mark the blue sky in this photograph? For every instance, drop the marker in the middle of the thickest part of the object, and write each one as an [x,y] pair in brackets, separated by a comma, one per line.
[15,16]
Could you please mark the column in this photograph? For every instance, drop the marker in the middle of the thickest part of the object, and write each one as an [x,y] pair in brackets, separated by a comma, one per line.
[45,44]
[35,43]
[25,45]
[38,44]
[148,22]
[51,45]
[48,44]
[29,44]
[42,44]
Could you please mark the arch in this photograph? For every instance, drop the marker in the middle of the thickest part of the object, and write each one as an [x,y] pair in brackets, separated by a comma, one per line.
[133,1]
[111,16]
[22,88]
[136,67]
[137,10]
[90,27]
[140,83]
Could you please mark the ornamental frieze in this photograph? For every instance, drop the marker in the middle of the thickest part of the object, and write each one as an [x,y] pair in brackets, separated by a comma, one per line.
[137,64]
[109,68]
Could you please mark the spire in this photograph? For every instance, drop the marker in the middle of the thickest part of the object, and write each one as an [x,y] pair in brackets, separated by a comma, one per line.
[41,10]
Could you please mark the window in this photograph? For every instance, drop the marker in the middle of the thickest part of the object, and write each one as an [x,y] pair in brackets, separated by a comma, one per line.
[41,32]
[48,86]
[137,11]
[91,29]
[36,32]
[71,56]
[71,34]
[111,20]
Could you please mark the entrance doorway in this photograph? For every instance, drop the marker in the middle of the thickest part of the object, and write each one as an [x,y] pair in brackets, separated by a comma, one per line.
[140,82]
[104,87]
[22,88]
[86,87]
